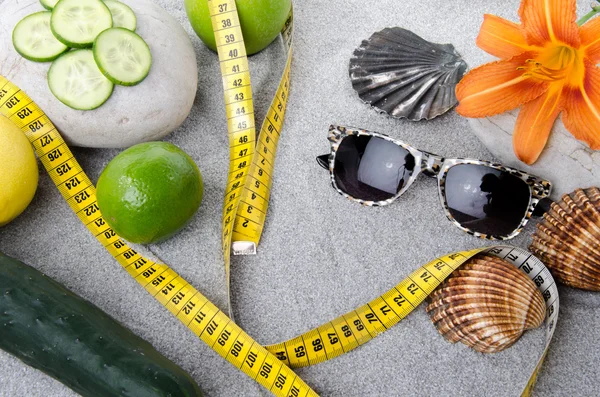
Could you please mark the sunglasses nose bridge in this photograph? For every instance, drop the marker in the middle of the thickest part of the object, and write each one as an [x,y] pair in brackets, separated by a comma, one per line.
[431,164]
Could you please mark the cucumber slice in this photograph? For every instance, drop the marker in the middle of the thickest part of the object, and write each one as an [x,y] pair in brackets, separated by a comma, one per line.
[77,82]
[122,15]
[77,23]
[122,56]
[33,39]
[48,4]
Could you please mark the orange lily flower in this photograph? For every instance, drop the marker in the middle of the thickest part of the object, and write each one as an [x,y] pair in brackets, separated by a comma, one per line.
[548,66]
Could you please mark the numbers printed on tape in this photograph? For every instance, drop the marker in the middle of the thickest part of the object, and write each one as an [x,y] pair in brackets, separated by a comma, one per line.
[251,165]
[245,207]
[359,326]
[178,296]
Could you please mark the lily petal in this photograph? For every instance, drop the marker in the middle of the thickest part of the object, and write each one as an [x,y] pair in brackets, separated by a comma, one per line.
[497,87]
[501,38]
[534,124]
[546,21]
[582,108]
[590,39]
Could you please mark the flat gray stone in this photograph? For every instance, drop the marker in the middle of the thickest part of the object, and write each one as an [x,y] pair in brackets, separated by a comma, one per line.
[145,112]
[566,162]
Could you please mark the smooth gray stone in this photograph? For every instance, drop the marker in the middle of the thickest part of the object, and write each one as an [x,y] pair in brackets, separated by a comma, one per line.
[566,162]
[146,112]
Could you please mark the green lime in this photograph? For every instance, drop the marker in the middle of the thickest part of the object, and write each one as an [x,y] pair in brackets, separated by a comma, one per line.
[261,21]
[149,192]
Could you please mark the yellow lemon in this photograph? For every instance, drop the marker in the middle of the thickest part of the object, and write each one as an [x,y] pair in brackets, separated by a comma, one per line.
[18,171]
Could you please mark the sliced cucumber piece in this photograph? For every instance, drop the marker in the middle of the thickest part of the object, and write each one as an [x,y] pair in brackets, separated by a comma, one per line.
[34,40]
[122,56]
[77,23]
[48,4]
[122,15]
[77,82]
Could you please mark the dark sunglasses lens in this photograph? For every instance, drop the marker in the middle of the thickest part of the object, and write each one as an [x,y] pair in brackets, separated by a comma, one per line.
[371,168]
[486,200]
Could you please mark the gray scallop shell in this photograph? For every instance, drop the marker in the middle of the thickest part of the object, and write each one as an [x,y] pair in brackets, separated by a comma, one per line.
[405,76]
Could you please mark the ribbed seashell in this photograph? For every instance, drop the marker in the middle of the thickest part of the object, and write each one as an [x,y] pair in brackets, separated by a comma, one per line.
[403,75]
[568,239]
[486,304]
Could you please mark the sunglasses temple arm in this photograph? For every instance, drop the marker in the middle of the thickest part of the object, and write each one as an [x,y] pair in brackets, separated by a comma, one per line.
[323,161]
[542,207]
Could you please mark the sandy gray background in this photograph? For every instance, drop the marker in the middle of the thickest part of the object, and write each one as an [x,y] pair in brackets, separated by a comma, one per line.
[321,255]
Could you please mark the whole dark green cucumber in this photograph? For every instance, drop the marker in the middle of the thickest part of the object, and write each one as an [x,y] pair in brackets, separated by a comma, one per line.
[52,329]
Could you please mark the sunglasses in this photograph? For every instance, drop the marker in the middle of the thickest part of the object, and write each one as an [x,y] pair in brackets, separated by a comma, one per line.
[485,199]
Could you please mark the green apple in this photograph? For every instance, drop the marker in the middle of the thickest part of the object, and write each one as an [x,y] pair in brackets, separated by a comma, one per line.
[261,20]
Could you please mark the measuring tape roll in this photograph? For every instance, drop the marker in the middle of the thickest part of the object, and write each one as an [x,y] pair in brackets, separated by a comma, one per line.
[247,191]
[361,325]
[249,183]
[251,163]
[266,365]
[186,303]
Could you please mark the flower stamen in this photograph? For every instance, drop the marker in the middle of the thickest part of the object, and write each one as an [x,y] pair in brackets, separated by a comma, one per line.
[537,70]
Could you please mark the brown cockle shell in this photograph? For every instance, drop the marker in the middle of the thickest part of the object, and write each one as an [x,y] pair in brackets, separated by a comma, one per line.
[568,239]
[486,304]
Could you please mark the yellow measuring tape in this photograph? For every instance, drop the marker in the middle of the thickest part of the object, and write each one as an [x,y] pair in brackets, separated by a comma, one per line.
[246,201]
[361,325]
[177,295]
[251,163]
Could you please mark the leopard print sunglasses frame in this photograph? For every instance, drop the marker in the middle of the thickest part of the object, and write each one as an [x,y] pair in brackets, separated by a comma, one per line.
[435,166]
